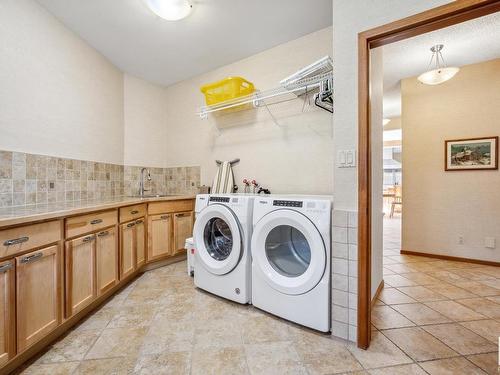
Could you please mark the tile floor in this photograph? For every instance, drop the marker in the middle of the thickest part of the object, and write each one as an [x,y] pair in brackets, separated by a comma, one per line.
[433,317]
[444,315]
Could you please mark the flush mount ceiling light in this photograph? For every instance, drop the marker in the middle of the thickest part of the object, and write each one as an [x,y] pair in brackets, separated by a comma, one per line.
[440,73]
[170,10]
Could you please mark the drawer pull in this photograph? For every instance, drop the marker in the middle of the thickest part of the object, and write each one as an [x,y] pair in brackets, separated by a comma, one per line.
[165,217]
[96,221]
[88,238]
[133,212]
[103,234]
[16,241]
[139,222]
[130,225]
[5,267]
[31,258]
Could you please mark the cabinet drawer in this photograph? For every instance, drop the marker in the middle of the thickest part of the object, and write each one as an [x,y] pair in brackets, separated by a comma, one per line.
[79,225]
[16,240]
[132,212]
[171,206]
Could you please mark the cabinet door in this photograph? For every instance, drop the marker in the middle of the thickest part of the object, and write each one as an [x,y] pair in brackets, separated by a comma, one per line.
[80,273]
[140,241]
[183,228]
[7,302]
[160,236]
[127,249]
[107,260]
[37,283]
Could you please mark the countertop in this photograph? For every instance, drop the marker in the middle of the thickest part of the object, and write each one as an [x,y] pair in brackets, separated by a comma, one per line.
[31,213]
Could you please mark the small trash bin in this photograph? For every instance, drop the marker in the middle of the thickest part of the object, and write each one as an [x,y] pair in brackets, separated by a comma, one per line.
[190,250]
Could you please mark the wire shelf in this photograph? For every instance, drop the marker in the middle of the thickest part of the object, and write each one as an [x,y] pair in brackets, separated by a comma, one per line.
[259,98]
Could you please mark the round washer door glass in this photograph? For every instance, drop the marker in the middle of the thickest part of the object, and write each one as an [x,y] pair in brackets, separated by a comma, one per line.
[288,251]
[218,238]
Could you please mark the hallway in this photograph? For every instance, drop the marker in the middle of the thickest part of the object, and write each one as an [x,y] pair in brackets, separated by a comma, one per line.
[443,314]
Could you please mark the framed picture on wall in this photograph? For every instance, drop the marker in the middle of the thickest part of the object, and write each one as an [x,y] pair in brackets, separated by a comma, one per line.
[471,154]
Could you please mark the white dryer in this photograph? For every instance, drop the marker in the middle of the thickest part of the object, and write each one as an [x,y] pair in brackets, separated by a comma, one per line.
[291,255]
[222,234]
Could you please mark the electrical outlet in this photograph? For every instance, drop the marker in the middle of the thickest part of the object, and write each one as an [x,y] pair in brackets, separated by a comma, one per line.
[460,240]
[489,242]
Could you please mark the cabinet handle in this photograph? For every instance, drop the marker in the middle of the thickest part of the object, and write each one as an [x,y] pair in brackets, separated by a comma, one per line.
[16,241]
[5,267]
[133,212]
[165,217]
[180,215]
[96,221]
[130,225]
[31,258]
[88,238]
[104,233]
[139,222]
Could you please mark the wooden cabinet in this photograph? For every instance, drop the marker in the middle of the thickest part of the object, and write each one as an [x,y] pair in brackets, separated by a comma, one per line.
[7,319]
[79,225]
[132,246]
[106,260]
[183,228]
[80,273]
[21,239]
[140,241]
[128,262]
[37,296]
[159,236]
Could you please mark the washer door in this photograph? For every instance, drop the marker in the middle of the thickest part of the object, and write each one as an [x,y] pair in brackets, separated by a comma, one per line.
[289,250]
[218,239]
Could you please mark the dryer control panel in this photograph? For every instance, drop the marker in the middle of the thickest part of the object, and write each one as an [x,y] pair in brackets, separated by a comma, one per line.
[282,203]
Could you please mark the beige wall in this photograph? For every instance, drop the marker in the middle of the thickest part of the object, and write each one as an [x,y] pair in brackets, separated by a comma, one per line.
[294,158]
[145,121]
[440,206]
[58,95]
[376,115]
[351,18]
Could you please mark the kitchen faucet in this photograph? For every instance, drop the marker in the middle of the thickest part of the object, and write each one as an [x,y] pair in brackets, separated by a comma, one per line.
[141,182]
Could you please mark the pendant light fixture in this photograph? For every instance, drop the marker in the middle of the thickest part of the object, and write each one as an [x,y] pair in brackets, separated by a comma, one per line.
[440,73]
[170,10]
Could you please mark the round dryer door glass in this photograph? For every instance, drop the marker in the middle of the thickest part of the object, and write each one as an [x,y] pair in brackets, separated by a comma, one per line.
[218,238]
[288,251]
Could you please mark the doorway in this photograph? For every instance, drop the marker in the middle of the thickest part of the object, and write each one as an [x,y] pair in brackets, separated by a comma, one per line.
[434,19]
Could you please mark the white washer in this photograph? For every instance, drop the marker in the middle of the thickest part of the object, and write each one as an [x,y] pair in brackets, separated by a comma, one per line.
[222,234]
[291,255]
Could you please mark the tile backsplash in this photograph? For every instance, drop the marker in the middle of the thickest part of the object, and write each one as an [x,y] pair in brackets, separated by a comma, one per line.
[39,179]
[176,180]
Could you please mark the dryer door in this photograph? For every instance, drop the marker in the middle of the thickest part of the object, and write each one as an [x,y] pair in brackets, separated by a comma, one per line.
[289,250]
[217,237]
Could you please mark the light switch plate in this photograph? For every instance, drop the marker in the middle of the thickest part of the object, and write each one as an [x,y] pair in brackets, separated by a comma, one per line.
[346,159]
[341,160]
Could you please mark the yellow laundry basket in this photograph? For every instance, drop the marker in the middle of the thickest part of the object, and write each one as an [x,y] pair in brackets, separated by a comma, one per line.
[226,89]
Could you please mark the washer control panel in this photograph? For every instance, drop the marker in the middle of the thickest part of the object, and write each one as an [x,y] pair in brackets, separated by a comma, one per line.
[282,203]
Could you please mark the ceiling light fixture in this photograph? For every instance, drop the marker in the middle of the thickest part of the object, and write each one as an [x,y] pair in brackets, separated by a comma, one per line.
[386,121]
[440,73]
[170,10]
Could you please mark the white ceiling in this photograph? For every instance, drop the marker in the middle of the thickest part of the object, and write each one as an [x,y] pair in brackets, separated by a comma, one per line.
[216,33]
[466,43]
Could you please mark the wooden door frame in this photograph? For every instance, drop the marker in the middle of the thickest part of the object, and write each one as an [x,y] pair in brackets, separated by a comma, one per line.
[433,19]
